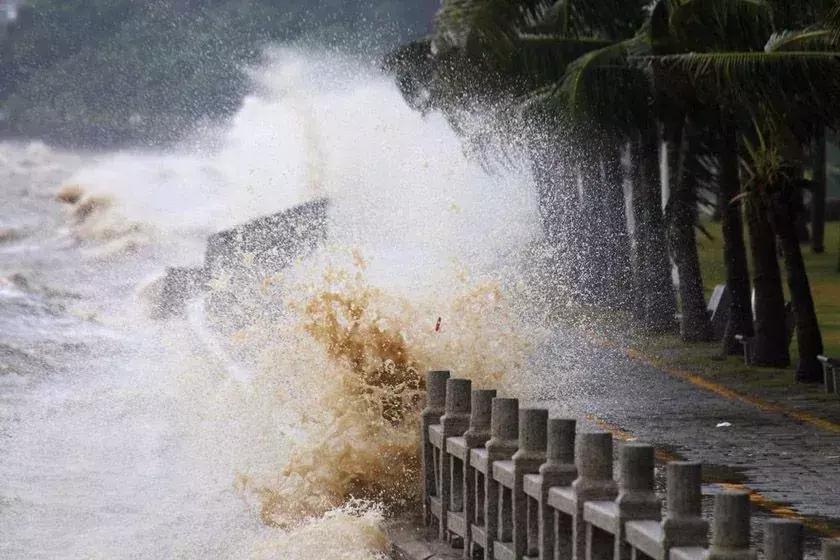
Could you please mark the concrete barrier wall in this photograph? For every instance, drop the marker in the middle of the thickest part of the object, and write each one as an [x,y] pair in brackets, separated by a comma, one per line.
[502,482]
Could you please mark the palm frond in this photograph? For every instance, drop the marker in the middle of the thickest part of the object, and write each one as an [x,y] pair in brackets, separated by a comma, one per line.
[833,22]
[789,14]
[486,27]
[804,82]
[714,25]
[543,59]
[599,88]
[801,40]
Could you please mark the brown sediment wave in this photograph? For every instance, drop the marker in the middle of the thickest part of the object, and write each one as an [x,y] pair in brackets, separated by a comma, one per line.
[371,350]
[70,194]
[95,219]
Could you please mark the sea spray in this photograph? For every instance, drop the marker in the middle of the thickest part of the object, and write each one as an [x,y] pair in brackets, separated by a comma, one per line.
[352,357]
[185,438]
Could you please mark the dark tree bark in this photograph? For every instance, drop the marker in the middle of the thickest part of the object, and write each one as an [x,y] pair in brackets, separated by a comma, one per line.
[818,192]
[734,251]
[681,214]
[618,265]
[557,199]
[591,253]
[639,236]
[653,267]
[802,231]
[783,212]
[771,344]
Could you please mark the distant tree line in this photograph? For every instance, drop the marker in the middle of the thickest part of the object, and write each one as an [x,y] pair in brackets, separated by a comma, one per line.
[103,72]
[732,98]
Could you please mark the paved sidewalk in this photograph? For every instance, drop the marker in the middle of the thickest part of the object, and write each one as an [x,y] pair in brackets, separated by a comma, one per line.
[785,460]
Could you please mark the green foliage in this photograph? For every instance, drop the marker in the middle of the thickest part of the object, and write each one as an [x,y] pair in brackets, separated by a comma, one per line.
[109,71]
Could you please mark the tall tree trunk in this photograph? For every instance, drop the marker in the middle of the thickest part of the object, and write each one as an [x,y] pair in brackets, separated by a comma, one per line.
[681,215]
[734,251]
[617,239]
[818,192]
[590,248]
[639,235]
[771,340]
[557,195]
[802,231]
[783,212]
[660,304]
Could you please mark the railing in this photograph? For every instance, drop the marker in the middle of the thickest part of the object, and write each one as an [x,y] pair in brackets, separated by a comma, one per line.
[509,483]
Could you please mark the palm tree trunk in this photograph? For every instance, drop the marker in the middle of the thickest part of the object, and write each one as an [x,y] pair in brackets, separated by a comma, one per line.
[681,216]
[783,212]
[660,304]
[617,237]
[555,181]
[590,249]
[771,343]
[639,235]
[818,192]
[734,251]
[802,231]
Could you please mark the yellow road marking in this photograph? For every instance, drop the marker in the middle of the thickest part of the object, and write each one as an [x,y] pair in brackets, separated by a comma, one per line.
[730,394]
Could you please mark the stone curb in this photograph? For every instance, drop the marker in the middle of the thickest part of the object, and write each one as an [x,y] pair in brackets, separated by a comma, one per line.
[411,541]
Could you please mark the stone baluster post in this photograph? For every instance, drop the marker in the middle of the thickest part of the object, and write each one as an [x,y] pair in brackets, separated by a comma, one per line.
[504,434]
[684,524]
[454,422]
[533,438]
[831,549]
[477,436]
[435,402]
[594,460]
[558,470]
[731,528]
[636,499]
[783,540]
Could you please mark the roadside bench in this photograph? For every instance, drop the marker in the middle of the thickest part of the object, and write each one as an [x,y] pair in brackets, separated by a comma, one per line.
[748,341]
[831,374]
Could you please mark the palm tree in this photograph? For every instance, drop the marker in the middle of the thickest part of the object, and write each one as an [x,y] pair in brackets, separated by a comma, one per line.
[520,47]
[791,84]
[818,191]
[770,347]
[602,90]
[721,87]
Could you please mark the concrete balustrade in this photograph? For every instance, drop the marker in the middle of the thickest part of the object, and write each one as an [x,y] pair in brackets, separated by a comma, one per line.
[435,407]
[454,422]
[831,549]
[730,531]
[511,484]
[783,540]
[518,523]
[605,520]
[683,525]
[594,461]
[461,515]
[558,470]
[503,443]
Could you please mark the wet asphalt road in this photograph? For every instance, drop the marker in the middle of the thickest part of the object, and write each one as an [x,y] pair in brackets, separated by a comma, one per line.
[786,461]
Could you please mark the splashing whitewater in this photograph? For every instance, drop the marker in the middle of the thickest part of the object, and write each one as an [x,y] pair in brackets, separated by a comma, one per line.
[317,442]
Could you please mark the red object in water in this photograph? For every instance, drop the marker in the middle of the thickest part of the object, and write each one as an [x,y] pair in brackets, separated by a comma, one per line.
[437,325]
